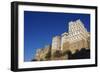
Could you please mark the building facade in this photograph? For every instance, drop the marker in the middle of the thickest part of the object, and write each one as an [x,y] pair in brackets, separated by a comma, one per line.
[76,38]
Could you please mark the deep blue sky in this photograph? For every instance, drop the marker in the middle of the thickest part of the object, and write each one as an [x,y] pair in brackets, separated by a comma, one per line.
[40,27]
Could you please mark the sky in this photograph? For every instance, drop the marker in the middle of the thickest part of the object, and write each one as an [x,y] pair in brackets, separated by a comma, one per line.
[41,27]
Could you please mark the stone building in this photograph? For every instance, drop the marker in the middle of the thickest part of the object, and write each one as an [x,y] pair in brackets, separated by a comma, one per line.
[75,39]
[56,44]
[64,42]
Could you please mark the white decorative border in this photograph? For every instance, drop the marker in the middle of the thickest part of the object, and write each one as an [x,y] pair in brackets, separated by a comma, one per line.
[22,64]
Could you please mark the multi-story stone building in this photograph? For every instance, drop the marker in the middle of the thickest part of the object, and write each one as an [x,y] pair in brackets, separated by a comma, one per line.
[75,39]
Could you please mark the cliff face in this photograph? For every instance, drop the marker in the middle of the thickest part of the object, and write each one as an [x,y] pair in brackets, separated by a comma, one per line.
[68,45]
